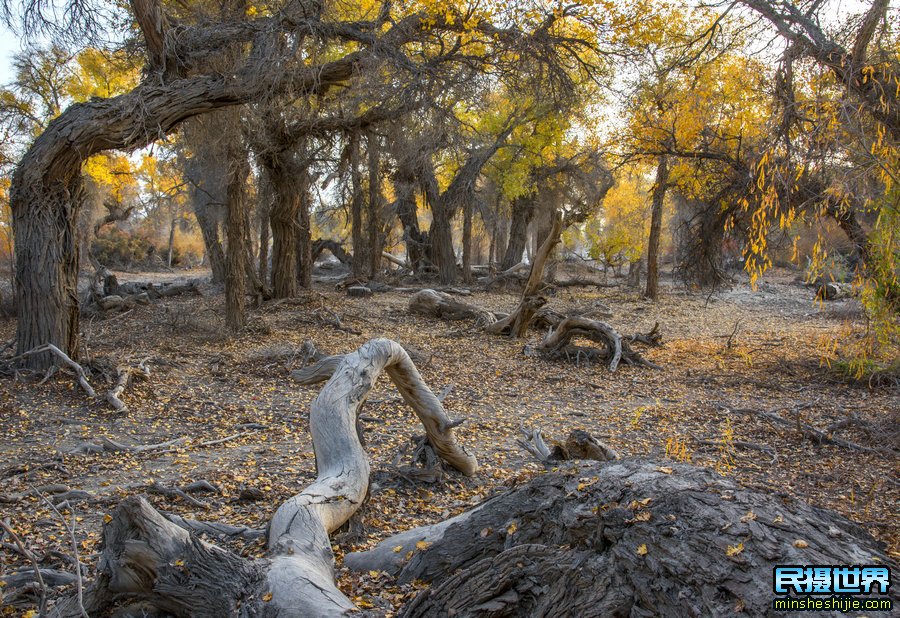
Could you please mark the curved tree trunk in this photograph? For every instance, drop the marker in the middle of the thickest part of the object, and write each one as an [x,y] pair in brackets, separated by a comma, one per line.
[150,559]
[516,324]
[45,195]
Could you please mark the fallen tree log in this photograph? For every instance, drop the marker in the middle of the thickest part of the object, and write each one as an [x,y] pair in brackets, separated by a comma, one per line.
[125,374]
[393,259]
[443,306]
[109,295]
[148,558]
[334,247]
[632,537]
[160,290]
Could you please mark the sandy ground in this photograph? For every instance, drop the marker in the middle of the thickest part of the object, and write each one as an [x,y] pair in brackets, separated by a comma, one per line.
[725,358]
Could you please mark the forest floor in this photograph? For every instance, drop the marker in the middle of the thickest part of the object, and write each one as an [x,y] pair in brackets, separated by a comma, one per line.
[727,359]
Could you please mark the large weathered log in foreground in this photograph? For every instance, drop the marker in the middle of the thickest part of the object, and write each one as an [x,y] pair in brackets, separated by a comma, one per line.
[150,560]
[630,537]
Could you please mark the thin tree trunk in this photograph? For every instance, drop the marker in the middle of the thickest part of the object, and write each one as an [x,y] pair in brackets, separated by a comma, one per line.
[236,278]
[263,268]
[376,242]
[358,232]
[304,236]
[467,241]
[656,215]
[172,224]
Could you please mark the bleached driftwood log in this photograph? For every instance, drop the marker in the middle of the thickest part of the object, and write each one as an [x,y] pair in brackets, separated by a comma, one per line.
[152,560]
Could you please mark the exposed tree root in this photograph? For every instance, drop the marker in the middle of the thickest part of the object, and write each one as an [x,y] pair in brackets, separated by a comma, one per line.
[216,529]
[63,358]
[107,445]
[806,430]
[615,350]
[58,493]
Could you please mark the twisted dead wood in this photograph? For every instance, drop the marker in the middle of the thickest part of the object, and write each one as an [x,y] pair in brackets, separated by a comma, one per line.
[153,560]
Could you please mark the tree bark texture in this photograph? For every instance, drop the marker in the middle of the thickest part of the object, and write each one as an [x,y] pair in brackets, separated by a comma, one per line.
[358,227]
[631,537]
[236,257]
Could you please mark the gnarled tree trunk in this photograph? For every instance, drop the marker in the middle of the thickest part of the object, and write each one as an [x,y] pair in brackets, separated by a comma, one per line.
[46,245]
[522,213]
[283,218]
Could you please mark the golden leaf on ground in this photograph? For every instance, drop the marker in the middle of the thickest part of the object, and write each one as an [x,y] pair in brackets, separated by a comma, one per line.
[642,549]
[734,550]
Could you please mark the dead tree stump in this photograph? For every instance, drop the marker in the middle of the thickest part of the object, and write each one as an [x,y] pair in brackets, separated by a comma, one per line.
[631,537]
